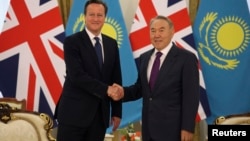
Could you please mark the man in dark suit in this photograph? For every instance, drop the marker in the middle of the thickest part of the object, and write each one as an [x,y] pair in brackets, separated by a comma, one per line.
[83,111]
[170,105]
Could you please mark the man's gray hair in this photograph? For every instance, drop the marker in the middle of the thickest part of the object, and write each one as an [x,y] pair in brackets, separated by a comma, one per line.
[169,21]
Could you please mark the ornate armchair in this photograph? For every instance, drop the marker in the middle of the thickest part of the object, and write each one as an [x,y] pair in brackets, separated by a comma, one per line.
[21,125]
[14,103]
[236,119]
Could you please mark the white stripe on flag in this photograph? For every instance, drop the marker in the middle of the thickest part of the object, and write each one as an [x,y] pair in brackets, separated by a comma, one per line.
[1,95]
[201,112]
[4,5]
[248,3]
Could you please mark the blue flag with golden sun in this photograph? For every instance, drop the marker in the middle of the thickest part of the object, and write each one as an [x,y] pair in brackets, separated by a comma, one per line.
[222,35]
[115,27]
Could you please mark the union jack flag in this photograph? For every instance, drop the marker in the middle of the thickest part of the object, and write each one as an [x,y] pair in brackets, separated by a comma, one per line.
[31,54]
[177,11]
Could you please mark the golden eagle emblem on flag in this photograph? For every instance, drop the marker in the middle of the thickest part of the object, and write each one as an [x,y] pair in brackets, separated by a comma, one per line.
[223,40]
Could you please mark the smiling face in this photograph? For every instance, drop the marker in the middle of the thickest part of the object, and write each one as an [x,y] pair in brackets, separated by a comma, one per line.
[95,17]
[161,33]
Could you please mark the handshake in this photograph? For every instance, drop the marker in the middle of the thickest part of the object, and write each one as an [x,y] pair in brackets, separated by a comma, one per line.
[116,92]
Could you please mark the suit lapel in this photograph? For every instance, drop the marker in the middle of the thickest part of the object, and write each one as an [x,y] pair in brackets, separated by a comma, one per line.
[166,66]
[88,44]
[169,60]
[144,68]
[106,52]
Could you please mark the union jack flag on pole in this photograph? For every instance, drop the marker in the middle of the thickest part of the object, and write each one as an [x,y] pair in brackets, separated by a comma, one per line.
[31,54]
[177,11]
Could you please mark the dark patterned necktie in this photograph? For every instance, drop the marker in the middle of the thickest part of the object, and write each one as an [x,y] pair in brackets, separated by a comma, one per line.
[98,50]
[155,70]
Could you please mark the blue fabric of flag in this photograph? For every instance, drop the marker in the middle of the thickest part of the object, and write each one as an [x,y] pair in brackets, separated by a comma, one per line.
[222,35]
[115,27]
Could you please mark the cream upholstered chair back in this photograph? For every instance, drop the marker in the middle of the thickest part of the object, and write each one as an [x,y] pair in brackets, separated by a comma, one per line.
[14,103]
[235,119]
[21,125]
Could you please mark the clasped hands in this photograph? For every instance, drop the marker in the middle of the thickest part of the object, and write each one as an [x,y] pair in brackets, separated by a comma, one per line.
[116,92]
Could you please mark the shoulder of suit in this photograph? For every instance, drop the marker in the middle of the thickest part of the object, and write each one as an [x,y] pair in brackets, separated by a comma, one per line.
[147,53]
[107,37]
[182,50]
[74,35]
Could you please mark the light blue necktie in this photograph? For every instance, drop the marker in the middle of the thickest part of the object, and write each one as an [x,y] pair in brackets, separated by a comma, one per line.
[98,50]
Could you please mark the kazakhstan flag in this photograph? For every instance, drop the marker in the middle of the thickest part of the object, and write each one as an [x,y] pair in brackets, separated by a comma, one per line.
[222,35]
[115,27]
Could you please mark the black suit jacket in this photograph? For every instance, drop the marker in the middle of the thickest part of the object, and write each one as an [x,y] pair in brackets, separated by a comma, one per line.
[172,104]
[85,86]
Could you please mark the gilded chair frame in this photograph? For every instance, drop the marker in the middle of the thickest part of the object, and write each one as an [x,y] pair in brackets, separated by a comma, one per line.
[14,103]
[40,122]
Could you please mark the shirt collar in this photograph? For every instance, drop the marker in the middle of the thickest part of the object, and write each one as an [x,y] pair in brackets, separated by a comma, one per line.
[165,50]
[91,36]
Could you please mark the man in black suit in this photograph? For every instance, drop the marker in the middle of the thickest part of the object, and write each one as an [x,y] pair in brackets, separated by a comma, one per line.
[170,105]
[83,111]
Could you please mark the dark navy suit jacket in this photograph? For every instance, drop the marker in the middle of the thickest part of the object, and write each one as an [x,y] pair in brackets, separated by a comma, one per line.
[172,104]
[85,86]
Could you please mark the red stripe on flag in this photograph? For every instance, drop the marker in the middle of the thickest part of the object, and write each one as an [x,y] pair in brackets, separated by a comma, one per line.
[148,10]
[180,19]
[140,42]
[198,118]
[57,50]
[31,89]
